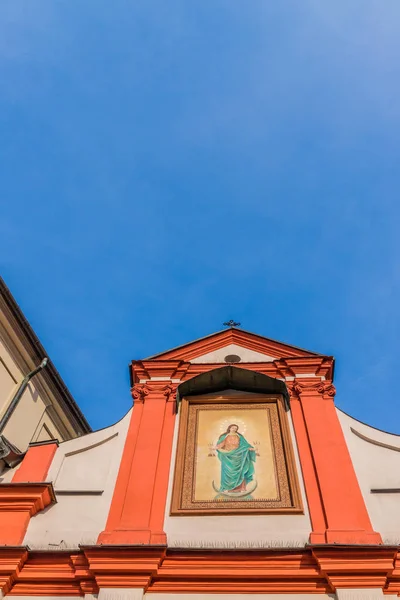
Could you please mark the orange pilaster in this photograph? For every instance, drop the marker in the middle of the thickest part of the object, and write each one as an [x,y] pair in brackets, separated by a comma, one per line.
[18,503]
[36,463]
[345,513]
[137,510]
[313,492]
[27,494]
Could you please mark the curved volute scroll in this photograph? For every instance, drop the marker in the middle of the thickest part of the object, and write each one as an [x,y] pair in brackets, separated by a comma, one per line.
[311,387]
[139,392]
[170,392]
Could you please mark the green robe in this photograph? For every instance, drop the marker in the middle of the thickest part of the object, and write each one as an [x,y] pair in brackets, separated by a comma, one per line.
[236,465]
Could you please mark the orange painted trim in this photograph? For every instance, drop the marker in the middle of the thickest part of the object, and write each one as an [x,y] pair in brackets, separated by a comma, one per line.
[124,567]
[11,563]
[36,463]
[356,567]
[18,503]
[310,570]
[313,493]
[117,504]
[233,336]
[281,368]
[162,477]
[138,506]
[345,512]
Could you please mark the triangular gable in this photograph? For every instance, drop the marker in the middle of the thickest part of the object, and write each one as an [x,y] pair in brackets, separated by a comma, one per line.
[272,349]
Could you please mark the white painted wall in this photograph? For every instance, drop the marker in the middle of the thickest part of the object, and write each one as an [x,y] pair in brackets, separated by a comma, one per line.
[88,463]
[376,467]
[127,594]
[218,356]
[157,596]
[233,531]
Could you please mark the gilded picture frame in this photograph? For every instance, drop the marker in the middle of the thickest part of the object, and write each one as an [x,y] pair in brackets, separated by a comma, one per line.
[235,455]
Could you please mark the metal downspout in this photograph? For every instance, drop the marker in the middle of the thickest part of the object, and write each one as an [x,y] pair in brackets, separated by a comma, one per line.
[14,402]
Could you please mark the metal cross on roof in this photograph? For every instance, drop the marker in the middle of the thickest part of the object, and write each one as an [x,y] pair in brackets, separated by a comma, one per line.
[231,323]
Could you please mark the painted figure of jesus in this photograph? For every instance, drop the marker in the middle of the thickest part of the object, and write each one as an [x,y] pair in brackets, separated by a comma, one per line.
[237,458]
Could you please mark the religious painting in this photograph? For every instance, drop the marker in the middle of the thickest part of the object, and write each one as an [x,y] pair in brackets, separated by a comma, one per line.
[234,455]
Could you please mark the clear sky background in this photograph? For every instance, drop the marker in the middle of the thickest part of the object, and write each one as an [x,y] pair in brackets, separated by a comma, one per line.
[168,165]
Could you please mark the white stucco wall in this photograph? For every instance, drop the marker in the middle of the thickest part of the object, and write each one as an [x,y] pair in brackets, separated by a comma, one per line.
[376,468]
[246,355]
[157,596]
[86,464]
[233,531]
[137,594]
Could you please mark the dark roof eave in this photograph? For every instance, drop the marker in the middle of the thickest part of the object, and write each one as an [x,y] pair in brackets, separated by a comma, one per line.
[70,406]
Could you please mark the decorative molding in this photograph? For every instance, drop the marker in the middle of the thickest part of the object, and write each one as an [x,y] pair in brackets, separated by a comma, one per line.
[140,392]
[240,337]
[100,443]
[313,367]
[352,568]
[124,567]
[143,391]
[126,573]
[170,392]
[311,388]
[78,492]
[374,442]
[54,574]
[11,563]
[158,370]
[222,544]
[30,497]
[385,491]
[18,503]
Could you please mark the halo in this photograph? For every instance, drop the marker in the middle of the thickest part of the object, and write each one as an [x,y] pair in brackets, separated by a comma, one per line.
[234,419]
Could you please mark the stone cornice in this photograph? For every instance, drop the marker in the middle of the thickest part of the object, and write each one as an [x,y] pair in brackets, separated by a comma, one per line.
[318,569]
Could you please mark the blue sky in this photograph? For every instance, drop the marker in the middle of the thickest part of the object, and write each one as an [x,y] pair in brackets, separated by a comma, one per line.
[166,166]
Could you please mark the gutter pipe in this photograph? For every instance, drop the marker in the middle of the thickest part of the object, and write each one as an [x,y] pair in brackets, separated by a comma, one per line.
[14,402]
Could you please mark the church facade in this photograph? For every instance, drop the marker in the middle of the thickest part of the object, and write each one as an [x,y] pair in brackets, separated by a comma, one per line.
[234,475]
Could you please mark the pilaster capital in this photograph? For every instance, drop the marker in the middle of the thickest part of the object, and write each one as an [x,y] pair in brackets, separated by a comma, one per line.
[139,392]
[299,388]
[154,389]
[169,391]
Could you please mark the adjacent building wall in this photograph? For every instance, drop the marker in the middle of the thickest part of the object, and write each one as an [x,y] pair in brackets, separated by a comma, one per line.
[31,421]
[46,410]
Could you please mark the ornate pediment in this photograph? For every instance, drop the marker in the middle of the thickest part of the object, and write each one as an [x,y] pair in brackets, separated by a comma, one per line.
[235,344]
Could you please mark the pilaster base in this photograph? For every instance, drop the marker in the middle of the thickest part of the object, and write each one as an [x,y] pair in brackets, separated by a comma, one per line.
[355,536]
[133,536]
